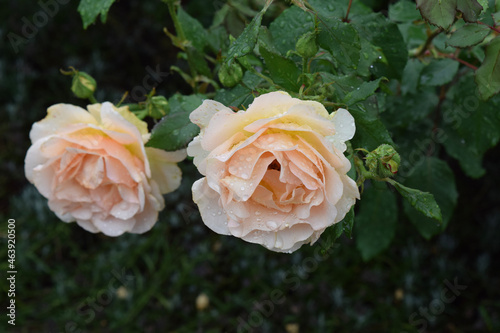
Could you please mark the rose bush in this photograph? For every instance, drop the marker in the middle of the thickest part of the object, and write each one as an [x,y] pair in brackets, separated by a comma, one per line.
[94,169]
[275,174]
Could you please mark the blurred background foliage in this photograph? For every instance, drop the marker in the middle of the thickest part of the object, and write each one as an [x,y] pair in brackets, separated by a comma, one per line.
[72,281]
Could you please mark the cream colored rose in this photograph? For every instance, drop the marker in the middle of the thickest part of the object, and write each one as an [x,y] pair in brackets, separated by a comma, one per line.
[94,169]
[275,174]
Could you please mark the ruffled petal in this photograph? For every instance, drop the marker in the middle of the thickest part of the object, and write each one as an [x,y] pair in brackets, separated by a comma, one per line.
[212,213]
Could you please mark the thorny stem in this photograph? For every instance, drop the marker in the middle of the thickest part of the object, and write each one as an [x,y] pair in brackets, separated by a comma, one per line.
[456,58]
[489,26]
[462,62]
[428,41]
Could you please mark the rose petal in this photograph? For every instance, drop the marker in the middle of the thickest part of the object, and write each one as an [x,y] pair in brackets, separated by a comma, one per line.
[211,211]
[60,118]
[164,169]
[344,128]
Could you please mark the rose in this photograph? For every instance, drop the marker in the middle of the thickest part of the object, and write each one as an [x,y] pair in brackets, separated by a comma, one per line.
[275,174]
[94,169]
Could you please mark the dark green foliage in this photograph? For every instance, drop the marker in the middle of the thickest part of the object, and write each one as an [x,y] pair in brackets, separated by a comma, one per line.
[440,114]
[376,222]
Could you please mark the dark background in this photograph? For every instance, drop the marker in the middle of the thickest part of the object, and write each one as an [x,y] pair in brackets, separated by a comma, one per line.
[72,281]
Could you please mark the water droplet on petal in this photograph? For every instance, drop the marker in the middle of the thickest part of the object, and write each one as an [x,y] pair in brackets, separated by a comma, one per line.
[272,225]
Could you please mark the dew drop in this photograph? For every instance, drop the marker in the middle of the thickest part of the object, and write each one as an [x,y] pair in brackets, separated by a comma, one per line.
[272,225]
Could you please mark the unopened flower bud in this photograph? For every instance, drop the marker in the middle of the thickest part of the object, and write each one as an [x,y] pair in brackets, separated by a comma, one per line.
[230,75]
[383,161]
[306,46]
[83,85]
[157,107]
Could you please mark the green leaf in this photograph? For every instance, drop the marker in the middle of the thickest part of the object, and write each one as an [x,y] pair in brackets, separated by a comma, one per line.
[470,9]
[241,95]
[365,90]
[439,72]
[193,30]
[217,39]
[471,125]
[385,35]
[411,76]
[175,130]
[376,221]
[90,9]
[434,176]
[338,9]
[341,40]
[245,43]
[291,23]
[368,55]
[442,12]
[438,12]
[415,105]
[404,11]
[283,71]
[488,75]
[413,35]
[469,35]
[185,103]
[220,16]
[424,202]
[370,131]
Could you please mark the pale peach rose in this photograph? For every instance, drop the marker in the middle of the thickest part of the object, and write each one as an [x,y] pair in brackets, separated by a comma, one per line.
[94,169]
[275,174]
